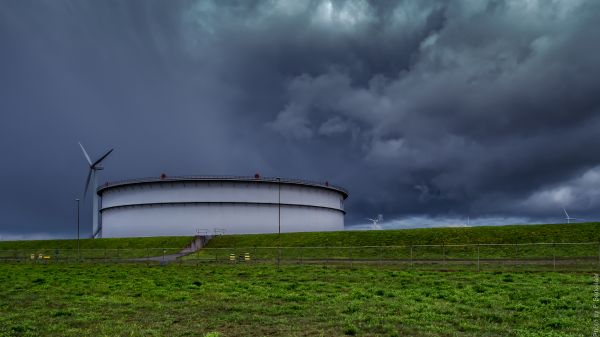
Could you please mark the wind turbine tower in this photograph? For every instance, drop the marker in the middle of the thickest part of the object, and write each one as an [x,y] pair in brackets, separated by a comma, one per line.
[92,174]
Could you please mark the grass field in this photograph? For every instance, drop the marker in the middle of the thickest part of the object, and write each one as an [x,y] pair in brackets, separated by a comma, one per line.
[530,257]
[493,242]
[117,243]
[260,300]
[583,232]
[117,248]
[508,243]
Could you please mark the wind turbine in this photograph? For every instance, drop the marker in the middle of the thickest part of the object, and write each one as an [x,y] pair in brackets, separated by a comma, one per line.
[94,166]
[375,225]
[568,218]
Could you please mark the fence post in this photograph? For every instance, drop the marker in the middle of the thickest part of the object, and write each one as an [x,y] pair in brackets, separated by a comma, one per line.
[478,268]
[350,254]
[380,253]
[278,256]
[301,255]
[411,256]
[554,255]
[444,253]
[516,253]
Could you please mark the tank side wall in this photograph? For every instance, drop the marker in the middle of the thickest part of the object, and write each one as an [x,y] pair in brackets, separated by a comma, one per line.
[238,192]
[175,220]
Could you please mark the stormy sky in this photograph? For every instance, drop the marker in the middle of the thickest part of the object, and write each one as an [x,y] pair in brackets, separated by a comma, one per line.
[428,112]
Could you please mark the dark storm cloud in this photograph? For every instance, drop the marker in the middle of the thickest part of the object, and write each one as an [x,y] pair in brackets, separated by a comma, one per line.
[434,109]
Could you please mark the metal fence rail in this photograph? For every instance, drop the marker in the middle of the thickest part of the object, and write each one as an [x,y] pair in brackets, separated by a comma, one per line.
[556,256]
[86,255]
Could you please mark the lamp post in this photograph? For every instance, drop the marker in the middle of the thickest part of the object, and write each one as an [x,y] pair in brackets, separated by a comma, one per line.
[279,205]
[78,250]
[278,221]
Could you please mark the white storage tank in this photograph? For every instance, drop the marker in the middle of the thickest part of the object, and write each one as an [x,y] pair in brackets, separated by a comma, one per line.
[181,206]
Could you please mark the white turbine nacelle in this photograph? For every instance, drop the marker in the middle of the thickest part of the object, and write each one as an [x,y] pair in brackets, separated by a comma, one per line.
[94,166]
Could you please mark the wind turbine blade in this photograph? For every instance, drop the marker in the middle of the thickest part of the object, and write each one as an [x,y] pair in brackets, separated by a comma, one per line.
[94,235]
[85,154]
[102,158]
[87,184]
[567,214]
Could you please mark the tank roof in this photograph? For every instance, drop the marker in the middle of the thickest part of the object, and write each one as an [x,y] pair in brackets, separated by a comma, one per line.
[150,180]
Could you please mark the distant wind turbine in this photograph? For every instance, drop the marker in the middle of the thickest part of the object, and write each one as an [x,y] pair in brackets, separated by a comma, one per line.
[375,225]
[94,167]
[568,218]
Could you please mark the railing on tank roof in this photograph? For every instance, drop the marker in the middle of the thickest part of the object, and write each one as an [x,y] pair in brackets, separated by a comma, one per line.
[223,177]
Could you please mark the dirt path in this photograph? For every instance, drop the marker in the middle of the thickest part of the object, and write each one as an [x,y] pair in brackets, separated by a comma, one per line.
[198,243]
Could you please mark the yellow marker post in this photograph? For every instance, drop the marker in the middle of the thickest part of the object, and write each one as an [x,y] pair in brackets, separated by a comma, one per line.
[247,257]
[232,257]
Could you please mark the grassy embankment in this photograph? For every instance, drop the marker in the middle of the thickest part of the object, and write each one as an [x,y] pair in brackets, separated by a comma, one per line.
[513,241]
[95,248]
[259,300]
[583,232]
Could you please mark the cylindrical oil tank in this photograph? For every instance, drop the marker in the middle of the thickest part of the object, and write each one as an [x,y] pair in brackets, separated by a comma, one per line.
[182,206]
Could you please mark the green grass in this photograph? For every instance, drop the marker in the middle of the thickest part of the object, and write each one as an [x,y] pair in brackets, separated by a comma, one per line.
[259,300]
[95,248]
[509,243]
[356,245]
[116,243]
[569,257]
[584,232]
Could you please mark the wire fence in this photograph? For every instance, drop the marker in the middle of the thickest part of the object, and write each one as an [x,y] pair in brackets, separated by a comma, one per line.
[57,255]
[555,256]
